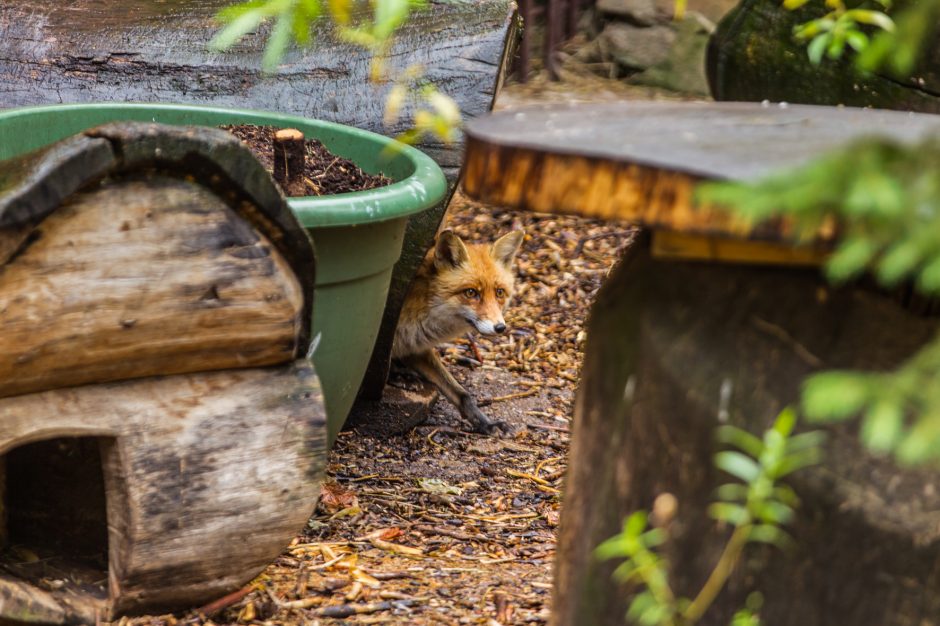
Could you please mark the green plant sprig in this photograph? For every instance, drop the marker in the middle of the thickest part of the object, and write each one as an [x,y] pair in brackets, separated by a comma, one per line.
[433,112]
[841,26]
[757,507]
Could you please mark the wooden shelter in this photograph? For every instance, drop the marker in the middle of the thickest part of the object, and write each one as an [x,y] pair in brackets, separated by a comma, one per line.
[161,427]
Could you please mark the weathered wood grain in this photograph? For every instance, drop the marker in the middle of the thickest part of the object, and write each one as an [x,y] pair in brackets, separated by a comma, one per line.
[672,344]
[143,277]
[640,161]
[35,185]
[199,463]
[151,51]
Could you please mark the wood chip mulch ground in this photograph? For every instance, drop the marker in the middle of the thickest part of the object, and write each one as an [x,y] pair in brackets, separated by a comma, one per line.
[444,526]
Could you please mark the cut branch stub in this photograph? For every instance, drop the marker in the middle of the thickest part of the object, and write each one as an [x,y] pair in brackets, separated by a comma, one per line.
[289,161]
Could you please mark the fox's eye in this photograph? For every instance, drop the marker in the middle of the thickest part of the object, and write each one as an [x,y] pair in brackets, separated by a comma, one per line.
[500,293]
[471,293]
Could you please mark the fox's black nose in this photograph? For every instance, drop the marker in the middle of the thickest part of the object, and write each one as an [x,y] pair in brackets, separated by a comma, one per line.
[500,328]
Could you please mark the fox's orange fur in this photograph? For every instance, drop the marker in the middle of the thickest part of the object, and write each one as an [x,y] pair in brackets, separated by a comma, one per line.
[458,288]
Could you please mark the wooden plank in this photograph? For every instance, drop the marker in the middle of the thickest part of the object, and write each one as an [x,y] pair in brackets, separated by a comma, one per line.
[104,50]
[640,161]
[200,462]
[667,244]
[144,277]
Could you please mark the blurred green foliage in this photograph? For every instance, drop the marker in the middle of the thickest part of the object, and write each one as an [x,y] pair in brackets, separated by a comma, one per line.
[881,199]
[757,508]
[894,45]
[371,26]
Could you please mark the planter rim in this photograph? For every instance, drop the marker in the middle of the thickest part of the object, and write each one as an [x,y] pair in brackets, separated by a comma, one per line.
[424,188]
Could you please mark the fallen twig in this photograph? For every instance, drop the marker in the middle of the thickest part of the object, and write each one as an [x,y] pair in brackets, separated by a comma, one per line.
[225,601]
[557,429]
[348,610]
[446,533]
[531,391]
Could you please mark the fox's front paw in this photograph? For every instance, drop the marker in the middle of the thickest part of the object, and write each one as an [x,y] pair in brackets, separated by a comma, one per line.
[481,423]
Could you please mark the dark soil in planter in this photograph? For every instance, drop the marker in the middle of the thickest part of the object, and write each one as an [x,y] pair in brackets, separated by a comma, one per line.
[325,173]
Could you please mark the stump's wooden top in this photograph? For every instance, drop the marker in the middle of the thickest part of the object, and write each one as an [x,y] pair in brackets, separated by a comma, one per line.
[640,160]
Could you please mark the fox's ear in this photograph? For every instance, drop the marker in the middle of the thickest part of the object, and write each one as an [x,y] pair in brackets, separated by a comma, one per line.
[450,251]
[505,248]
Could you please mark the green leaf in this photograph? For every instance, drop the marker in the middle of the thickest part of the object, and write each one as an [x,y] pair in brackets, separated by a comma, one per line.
[738,465]
[733,514]
[850,259]
[767,533]
[636,523]
[785,422]
[277,43]
[793,4]
[795,462]
[817,47]
[300,26]
[834,395]
[389,15]
[774,512]
[929,278]
[899,261]
[874,18]
[741,439]
[857,40]
[641,603]
[882,426]
[806,441]
[922,442]
[236,29]
[653,538]
[732,492]
[836,45]
[231,13]
[615,547]
[785,494]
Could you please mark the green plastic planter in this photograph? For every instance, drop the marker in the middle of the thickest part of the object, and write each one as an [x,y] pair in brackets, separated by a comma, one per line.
[358,236]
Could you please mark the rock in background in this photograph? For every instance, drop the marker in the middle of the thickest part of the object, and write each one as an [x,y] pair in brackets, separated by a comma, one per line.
[642,42]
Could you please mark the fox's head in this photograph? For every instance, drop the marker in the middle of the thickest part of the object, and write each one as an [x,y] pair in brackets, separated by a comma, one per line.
[476,281]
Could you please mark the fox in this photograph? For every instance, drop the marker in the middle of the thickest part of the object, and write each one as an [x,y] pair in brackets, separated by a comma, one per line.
[458,288]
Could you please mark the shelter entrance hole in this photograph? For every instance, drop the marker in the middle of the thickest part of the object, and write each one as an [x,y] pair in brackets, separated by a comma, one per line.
[55,521]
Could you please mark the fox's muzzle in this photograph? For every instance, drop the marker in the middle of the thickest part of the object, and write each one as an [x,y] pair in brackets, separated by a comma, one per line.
[487,327]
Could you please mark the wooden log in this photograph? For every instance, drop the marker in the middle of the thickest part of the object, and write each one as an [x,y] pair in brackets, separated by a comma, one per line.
[143,277]
[753,56]
[196,464]
[665,339]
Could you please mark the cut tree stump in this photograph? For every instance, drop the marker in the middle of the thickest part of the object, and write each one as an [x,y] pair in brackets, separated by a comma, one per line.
[156,404]
[710,316]
[667,340]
